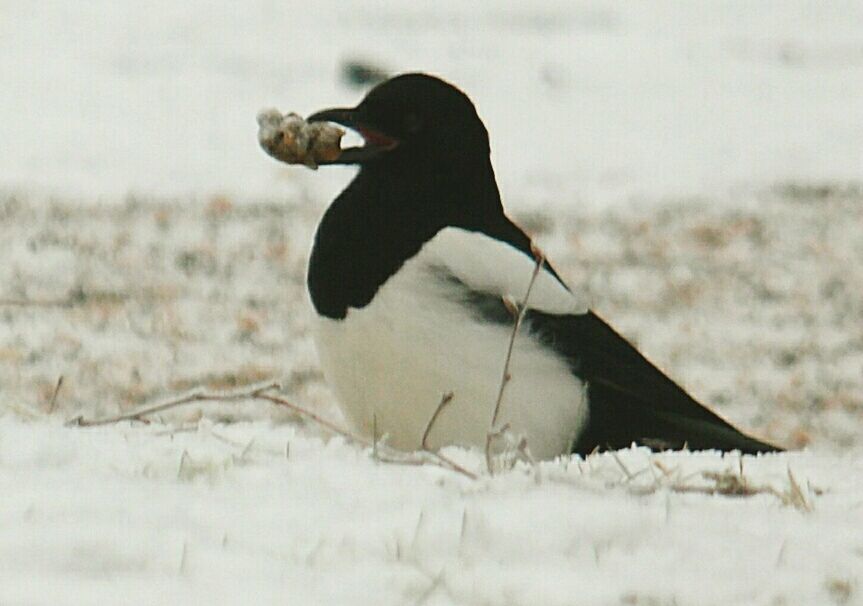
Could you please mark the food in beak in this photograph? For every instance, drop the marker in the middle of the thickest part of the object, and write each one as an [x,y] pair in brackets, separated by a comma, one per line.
[289,138]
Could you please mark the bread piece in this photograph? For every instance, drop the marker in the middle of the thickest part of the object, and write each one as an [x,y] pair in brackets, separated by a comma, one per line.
[290,139]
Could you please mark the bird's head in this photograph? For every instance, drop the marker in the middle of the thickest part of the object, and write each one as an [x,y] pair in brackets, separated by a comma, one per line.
[412,118]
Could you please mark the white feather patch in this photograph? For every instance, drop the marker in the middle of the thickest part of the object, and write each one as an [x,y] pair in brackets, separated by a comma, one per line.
[390,362]
[494,267]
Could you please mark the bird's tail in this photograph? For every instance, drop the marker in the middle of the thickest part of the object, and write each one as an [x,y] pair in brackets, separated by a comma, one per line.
[616,422]
[706,435]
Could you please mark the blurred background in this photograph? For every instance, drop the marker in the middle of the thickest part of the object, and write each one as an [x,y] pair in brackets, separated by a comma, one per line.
[587,102]
[697,167]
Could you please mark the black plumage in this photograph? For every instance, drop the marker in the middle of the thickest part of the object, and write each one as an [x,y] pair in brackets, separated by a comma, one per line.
[426,167]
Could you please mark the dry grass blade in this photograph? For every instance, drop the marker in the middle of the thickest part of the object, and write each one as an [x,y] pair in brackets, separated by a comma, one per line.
[446,461]
[261,392]
[490,437]
[519,319]
[303,412]
[795,496]
[197,395]
[729,483]
[505,375]
[445,399]
[623,467]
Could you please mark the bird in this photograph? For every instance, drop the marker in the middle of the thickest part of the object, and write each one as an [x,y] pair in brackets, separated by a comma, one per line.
[417,275]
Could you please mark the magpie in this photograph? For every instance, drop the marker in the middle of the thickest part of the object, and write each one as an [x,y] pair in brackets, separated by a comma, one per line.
[413,274]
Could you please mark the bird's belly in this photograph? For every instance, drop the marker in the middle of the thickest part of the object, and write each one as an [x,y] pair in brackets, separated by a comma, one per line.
[391,362]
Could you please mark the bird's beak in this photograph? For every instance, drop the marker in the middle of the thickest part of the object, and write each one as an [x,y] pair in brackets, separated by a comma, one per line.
[376,141]
[346,116]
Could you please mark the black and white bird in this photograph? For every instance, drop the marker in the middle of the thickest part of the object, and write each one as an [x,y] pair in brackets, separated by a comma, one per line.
[410,274]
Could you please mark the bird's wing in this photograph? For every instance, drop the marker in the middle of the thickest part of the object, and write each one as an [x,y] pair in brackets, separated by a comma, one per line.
[492,267]
[631,400]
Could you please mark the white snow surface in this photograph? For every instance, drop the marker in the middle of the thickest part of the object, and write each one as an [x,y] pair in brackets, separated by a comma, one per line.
[147,515]
[587,102]
[135,302]
[693,168]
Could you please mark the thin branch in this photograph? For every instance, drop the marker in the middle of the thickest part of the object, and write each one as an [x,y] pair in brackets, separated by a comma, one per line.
[445,399]
[279,401]
[450,464]
[522,311]
[260,392]
[197,395]
[490,437]
[505,375]
[446,461]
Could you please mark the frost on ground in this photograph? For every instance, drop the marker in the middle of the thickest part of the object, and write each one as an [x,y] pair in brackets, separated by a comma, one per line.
[603,111]
[263,513]
[753,304]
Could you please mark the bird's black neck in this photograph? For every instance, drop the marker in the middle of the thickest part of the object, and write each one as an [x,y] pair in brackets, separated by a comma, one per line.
[384,217]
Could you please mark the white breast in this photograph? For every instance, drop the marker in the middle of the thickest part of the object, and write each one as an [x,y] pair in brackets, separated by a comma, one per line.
[391,361]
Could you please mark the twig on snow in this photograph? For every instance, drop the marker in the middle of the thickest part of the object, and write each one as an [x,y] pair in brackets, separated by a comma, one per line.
[729,483]
[197,395]
[261,392]
[446,461]
[303,412]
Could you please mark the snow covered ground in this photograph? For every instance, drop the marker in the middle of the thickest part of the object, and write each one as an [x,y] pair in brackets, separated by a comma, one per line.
[757,311]
[696,168]
[138,515]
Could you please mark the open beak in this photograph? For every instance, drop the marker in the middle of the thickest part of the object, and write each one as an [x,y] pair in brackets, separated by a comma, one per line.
[376,142]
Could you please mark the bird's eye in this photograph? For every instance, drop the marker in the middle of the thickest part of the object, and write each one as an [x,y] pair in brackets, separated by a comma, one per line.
[413,123]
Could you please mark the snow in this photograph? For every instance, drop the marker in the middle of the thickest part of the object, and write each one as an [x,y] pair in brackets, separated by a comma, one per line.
[694,169]
[144,299]
[220,514]
[587,104]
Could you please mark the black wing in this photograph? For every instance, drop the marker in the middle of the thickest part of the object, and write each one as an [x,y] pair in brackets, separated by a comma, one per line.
[630,400]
